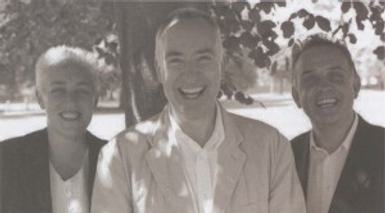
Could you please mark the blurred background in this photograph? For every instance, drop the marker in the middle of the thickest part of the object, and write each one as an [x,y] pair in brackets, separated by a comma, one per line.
[258,37]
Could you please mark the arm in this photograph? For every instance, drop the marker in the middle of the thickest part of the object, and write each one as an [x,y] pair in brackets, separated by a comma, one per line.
[111,192]
[285,190]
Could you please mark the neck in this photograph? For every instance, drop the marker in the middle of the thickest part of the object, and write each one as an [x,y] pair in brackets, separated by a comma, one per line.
[330,137]
[200,128]
[66,153]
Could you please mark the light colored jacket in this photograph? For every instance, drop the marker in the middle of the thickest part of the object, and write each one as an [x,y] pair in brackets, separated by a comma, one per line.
[140,171]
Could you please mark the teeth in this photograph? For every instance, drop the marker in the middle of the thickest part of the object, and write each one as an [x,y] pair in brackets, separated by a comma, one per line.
[70,115]
[326,102]
[192,90]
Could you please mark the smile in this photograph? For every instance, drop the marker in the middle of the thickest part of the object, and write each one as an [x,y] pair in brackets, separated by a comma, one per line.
[69,115]
[326,102]
[192,93]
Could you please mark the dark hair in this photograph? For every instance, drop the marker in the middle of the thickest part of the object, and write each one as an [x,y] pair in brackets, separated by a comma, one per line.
[317,40]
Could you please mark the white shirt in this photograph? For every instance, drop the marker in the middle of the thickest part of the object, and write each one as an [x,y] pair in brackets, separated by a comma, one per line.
[200,163]
[324,172]
[71,195]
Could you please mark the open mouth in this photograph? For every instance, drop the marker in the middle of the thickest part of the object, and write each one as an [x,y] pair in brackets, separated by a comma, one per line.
[192,93]
[326,102]
[70,115]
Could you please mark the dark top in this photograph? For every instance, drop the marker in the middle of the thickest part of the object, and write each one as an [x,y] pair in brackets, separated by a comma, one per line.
[24,166]
[361,185]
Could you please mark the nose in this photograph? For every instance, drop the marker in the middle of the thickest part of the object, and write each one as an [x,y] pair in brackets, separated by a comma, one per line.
[70,98]
[325,85]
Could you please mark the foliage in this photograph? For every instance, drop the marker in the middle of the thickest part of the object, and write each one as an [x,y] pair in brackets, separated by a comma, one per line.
[28,28]
[258,34]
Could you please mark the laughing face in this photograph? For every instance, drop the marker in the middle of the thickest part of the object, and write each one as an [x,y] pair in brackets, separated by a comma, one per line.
[68,95]
[325,85]
[190,67]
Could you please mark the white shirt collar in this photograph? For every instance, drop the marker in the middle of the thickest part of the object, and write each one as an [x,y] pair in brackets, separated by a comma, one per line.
[345,144]
[215,139]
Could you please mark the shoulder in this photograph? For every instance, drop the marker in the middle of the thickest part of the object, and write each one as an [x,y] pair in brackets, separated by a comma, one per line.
[137,138]
[257,135]
[94,140]
[25,141]
[372,132]
[251,125]
[302,138]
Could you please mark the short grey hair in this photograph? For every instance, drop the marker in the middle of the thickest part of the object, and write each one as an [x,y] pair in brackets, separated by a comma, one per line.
[179,15]
[63,55]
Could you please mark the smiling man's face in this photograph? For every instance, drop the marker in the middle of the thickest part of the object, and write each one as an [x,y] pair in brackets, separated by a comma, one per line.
[325,85]
[190,68]
[68,94]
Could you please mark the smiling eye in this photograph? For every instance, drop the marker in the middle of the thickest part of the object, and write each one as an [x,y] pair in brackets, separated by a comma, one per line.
[204,58]
[57,91]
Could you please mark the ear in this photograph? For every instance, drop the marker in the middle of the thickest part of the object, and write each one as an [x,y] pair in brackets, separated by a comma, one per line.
[356,85]
[159,72]
[294,93]
[96,102]
[39,98]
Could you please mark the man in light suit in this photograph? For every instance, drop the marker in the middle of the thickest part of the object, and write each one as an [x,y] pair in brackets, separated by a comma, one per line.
[195,156]
[340,161]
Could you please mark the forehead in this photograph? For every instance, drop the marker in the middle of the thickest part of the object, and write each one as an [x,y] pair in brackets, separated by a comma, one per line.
[190,34]
[68,71]
[322,57]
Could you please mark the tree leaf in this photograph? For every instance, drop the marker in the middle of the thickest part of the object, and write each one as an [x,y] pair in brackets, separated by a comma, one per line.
[302,13]
[248,40]
[287,28]
[309,22]
[380,52]
[254,15]
[231,43]
[238,6]
[345,6]
[352,38]
[265,6]
[379,27]
[345,28]
[272,46]
[265,28]
[247,25]
[323,23]
[361,10]
[359,23]
[291,42]
[293,15]
[259,57]
[281,3]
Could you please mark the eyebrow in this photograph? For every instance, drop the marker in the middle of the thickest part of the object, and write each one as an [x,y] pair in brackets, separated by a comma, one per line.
[206,50]
[59,83]
[173,54]
[85,83]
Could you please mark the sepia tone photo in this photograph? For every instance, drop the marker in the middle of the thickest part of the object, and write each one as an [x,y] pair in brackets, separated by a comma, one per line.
[192,106]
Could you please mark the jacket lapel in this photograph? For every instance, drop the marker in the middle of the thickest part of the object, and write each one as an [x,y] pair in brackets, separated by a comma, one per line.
[164,161]
[231,160]
[302,161]
[354,184]
[95,144]
[38,190]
